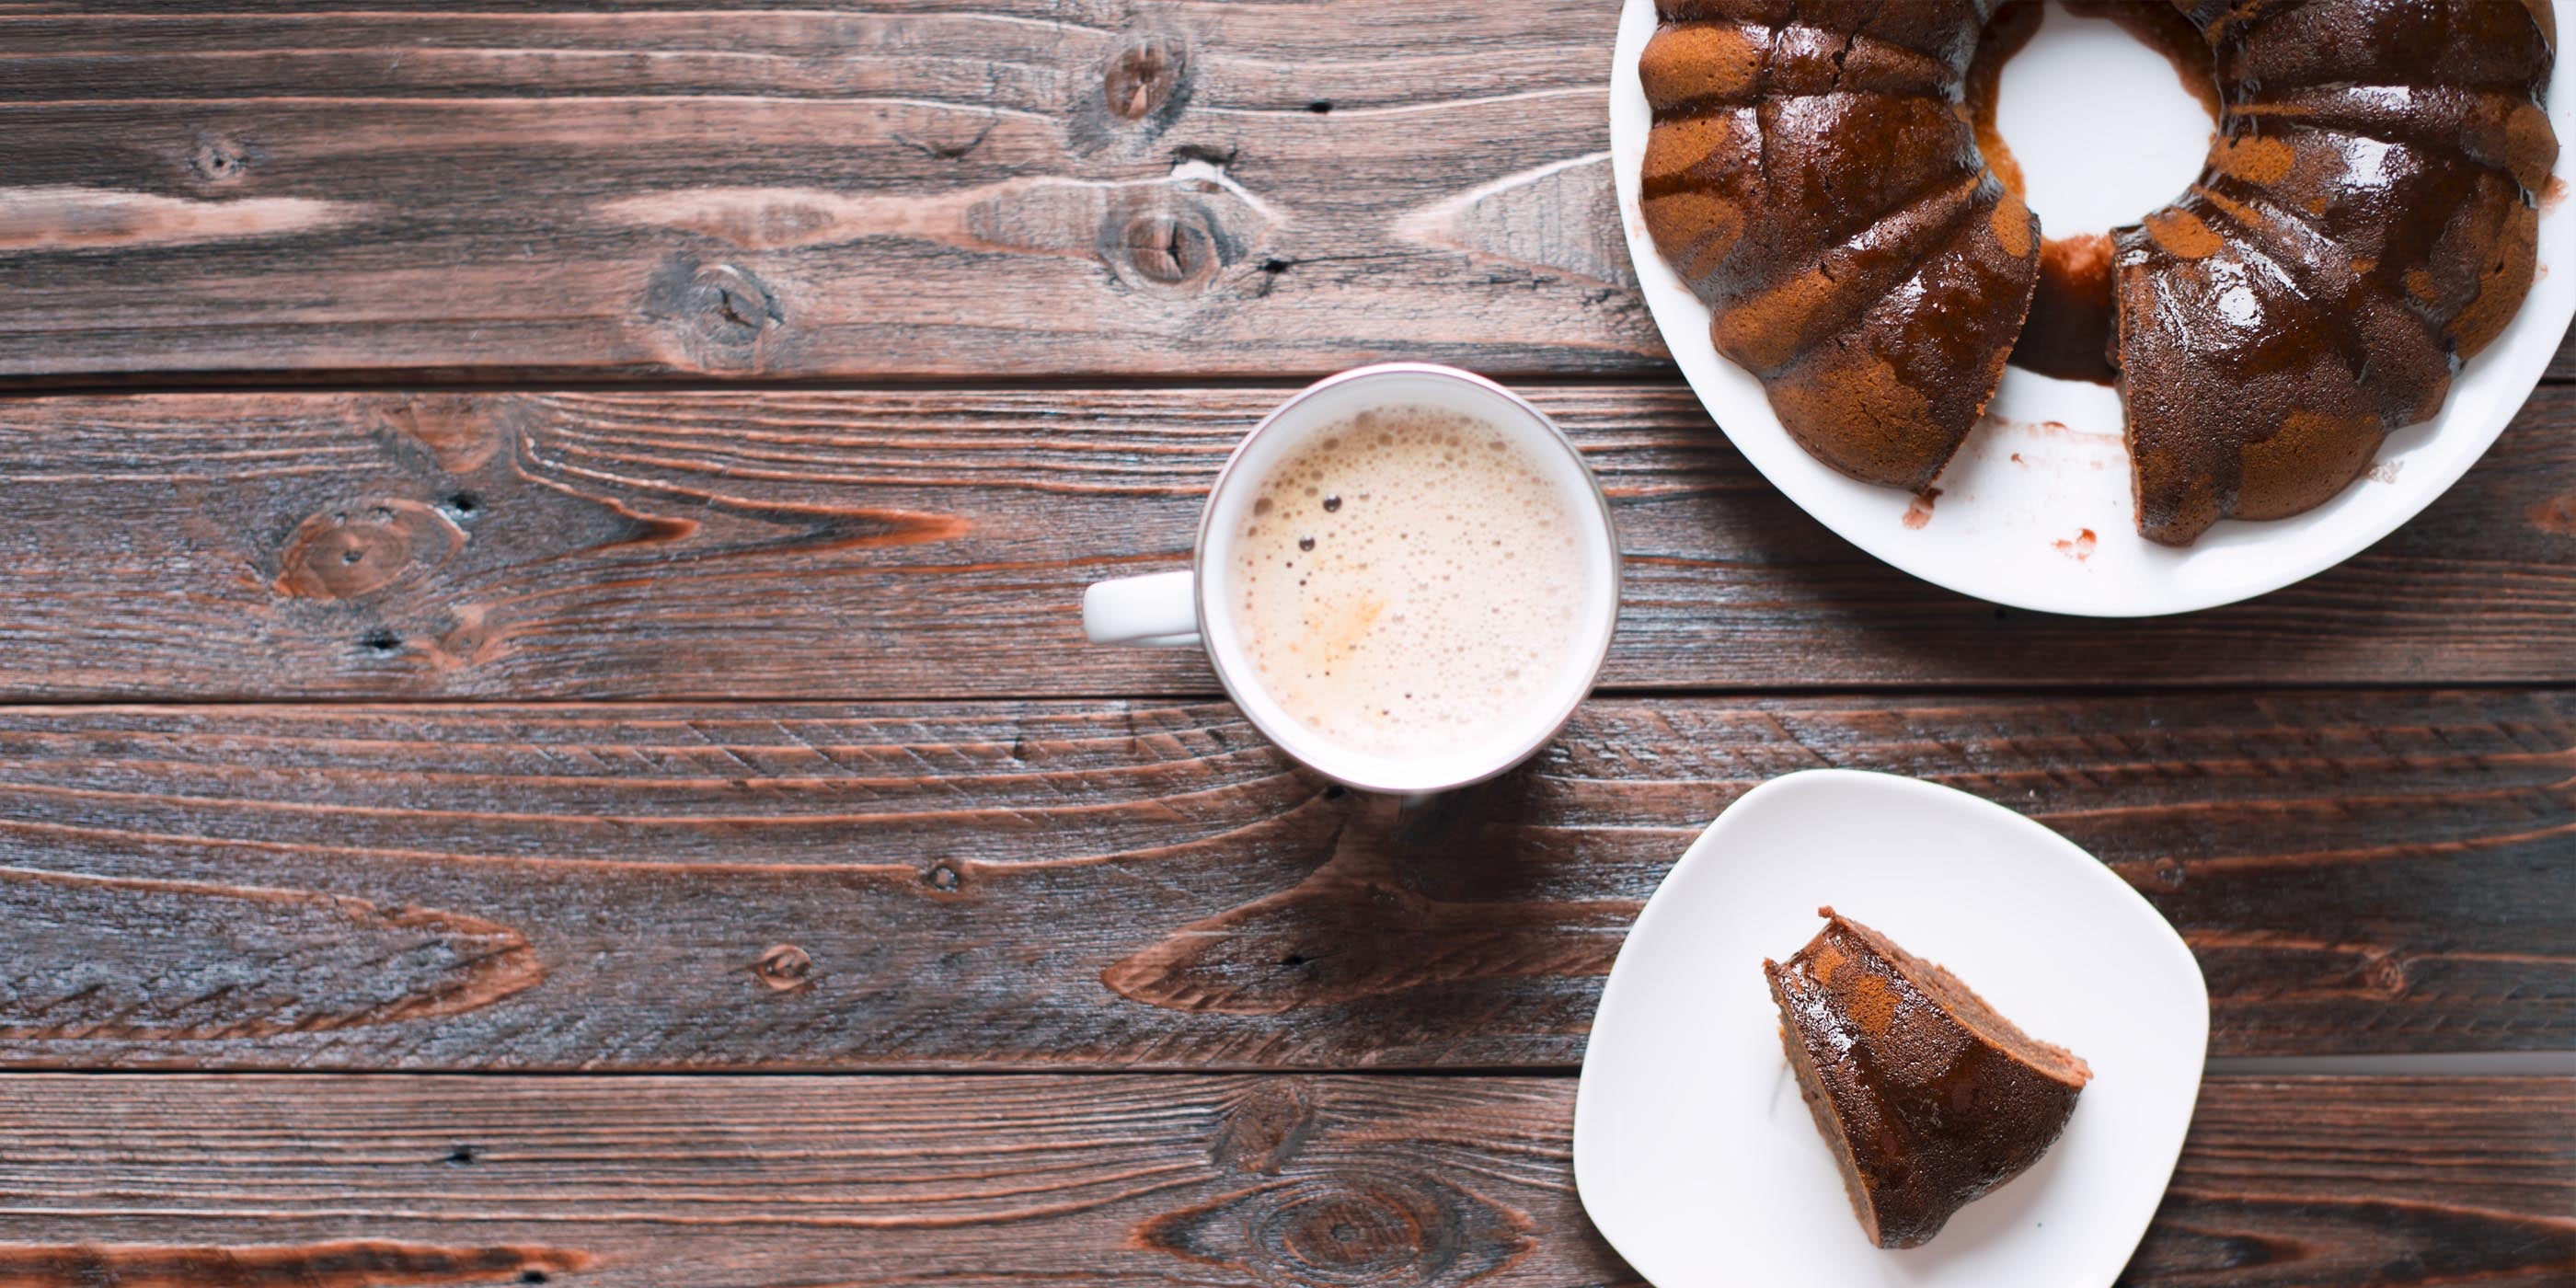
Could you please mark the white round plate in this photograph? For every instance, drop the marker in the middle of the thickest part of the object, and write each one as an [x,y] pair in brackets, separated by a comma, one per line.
[2035,512]
[1694,1153]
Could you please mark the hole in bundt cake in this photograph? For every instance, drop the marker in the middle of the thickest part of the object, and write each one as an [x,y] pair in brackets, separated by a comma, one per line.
[2272,311]
[2023,102]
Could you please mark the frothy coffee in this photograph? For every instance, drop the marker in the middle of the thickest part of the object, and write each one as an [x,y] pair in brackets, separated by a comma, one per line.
[1408,581]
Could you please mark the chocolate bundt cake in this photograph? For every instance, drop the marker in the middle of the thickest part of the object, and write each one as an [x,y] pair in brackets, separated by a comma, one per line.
[2366,222]
[1927,1097]
[1810,177]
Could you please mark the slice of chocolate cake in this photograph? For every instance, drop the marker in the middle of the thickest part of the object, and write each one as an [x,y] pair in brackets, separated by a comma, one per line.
[1928,1098]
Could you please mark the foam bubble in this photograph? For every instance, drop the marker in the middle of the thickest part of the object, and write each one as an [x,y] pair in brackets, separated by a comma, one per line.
[1436,589]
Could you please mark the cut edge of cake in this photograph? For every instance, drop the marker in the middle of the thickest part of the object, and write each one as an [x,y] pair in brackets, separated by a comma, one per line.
[2053,1066]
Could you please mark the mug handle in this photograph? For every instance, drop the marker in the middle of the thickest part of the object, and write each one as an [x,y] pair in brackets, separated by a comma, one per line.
[1157,611]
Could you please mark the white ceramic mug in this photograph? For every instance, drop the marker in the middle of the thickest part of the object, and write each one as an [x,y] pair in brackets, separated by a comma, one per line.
[1173,608]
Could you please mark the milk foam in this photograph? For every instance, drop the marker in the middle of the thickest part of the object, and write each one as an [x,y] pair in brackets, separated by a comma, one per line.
[1408,581]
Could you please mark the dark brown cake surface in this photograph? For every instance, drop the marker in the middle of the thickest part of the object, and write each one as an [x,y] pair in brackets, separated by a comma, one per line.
[2367,220]
[1811,176]
[1927,1097]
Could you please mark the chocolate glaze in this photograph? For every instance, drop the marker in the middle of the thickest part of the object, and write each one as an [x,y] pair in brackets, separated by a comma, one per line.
[1928,1099]
[2366,221]
[1811,176]
[2013,24]
[1826,176]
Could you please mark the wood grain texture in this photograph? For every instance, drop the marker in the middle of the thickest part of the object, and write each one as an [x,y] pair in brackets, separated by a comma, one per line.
[983,1182]
[2330,1181]
[337,1263]
[218,961]
[962,187]
[896,545]
[1070,886]
[967,187]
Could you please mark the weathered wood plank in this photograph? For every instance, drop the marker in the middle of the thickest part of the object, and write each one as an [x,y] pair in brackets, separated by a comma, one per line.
[969,188]
[865,545]
[719,1181]
[941,187]
[2325,1181]
[1089,885]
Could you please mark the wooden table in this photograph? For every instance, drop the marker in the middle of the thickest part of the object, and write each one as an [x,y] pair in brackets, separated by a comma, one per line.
[548,740]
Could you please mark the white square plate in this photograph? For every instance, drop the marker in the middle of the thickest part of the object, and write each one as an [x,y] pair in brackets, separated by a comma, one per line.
[1695,1155]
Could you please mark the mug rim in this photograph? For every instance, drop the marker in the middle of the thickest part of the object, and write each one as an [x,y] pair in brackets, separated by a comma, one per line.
[1609,527]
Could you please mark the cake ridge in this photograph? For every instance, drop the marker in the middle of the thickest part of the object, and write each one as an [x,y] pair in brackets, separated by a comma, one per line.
[2470,149]
[2290,436]
[2234,198]
[1799,303]
[1951,206]
[2372,180]
[1927,1097]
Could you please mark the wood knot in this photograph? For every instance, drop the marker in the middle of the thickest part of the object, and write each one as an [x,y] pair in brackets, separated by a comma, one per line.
[785,968]
[1266,1126]
[733,302]
[1168,249]
[467,639]
[456,432]
[1168,243]
[2555,516]
[1144,77]
[356,550]
[2169,872]
[1349,1228]
[216,159]
[2387,974]
[722,313]
[943,877]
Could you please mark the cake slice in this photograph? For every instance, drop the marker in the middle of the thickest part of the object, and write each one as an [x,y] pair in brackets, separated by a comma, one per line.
[1927,1097]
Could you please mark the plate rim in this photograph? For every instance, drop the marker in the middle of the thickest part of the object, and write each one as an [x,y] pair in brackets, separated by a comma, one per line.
[2170,941]
[1807,483]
